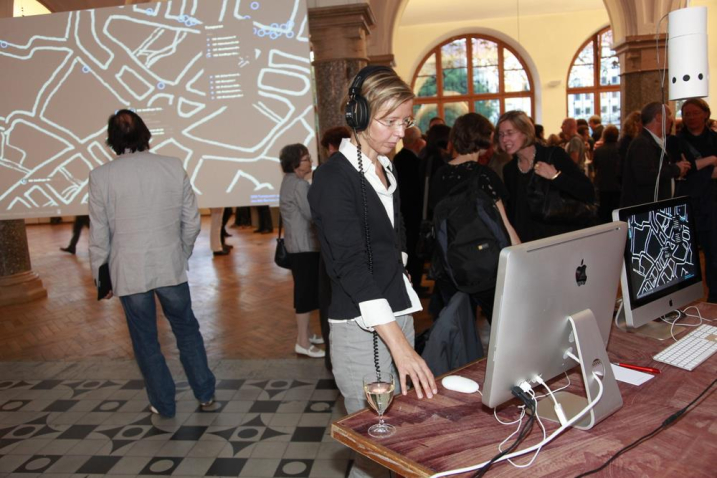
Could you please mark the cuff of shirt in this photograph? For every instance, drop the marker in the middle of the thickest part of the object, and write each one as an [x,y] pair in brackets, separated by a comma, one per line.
[404,258]
[374,312]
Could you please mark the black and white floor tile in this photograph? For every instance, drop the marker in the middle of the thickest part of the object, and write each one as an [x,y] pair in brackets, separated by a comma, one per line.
[270,418]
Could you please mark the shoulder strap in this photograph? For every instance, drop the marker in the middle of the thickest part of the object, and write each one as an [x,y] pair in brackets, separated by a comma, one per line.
[280,223]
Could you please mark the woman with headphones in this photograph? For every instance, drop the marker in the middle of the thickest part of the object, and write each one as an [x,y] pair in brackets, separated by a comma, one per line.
[355,206]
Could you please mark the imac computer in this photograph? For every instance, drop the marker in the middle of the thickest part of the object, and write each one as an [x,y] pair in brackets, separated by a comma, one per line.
[661,271]
[554,303]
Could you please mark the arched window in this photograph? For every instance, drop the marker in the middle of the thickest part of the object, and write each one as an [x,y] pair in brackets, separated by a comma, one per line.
[594,80]
[471,73]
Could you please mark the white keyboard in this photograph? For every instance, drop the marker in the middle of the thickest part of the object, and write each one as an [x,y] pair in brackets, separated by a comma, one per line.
[692,349]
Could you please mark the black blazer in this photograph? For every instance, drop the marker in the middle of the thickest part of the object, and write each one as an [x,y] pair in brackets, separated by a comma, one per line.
[639,172]
[337,210]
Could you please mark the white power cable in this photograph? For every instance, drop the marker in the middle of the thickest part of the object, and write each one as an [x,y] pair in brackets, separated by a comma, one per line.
[542,427]
[547,440]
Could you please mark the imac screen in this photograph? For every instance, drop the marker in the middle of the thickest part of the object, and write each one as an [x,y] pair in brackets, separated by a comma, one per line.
[660,254]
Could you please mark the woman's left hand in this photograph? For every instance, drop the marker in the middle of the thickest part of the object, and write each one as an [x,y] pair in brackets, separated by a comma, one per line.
[545,170]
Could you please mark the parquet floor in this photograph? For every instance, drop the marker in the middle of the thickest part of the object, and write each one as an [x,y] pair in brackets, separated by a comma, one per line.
[243,302]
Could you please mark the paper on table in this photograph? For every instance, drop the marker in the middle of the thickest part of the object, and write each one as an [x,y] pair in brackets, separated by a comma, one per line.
[633,377]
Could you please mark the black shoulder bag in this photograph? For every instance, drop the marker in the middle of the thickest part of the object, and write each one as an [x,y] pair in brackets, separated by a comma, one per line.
[281,255]
[550,205]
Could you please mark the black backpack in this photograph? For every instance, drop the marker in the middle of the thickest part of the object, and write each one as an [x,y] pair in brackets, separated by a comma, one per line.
[469,237]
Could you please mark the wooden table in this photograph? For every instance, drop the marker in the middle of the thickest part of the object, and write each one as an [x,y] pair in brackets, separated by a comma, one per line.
[455,430]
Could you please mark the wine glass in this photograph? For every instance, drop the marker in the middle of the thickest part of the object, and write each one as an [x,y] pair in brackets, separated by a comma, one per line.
[379,388]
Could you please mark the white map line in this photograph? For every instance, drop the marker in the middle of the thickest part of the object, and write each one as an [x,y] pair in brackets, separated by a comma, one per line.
[161,95]
[14,166]
[45,85]
[190,85]
[197,107]
[53,92]
[274,57]
[139,97]
[303,35]
[257,185]
[260,82]
[263,109]
[78,40]
[32,39]
[20,200]
[121,45]
[169,50]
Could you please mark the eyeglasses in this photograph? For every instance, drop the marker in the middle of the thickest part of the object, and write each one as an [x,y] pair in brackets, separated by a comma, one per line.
[396,124]
[510,132]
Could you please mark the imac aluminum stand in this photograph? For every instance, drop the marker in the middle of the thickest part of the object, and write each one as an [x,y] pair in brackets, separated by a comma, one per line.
[593,357]
[656,329]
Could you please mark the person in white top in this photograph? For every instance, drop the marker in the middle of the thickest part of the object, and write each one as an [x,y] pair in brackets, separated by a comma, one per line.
[356,208]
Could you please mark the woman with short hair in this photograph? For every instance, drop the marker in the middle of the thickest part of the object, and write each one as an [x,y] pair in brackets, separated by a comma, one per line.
[356,208]
[301,243]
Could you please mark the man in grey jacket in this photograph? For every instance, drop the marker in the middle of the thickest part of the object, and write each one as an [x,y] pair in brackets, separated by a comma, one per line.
[144,221]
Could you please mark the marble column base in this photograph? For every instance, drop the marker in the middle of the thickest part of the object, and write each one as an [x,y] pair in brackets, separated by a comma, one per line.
[21,288]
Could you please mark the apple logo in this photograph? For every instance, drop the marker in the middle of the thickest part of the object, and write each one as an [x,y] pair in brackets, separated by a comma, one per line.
[580,276]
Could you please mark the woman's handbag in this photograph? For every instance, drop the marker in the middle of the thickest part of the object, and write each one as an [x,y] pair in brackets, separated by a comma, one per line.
[281,255]
[550,205]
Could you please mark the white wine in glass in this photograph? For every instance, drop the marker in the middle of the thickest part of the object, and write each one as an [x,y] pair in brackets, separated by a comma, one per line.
[379,394]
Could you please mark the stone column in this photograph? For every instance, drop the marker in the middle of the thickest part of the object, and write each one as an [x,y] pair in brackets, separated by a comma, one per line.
[6,8]
[338,40]
[641,73]
[18,283]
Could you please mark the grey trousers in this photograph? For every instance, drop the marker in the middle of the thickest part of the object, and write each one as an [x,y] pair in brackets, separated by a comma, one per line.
[352,358]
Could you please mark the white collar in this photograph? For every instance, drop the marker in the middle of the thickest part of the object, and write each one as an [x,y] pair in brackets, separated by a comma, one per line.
[660,141]
[349,151]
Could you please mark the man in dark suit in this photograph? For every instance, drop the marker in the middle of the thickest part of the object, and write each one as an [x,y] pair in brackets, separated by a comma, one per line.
[408,175]
[642,164]
[595,123]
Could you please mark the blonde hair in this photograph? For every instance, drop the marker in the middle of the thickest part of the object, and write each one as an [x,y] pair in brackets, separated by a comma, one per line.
[521,122]
[381,88]
[385,88]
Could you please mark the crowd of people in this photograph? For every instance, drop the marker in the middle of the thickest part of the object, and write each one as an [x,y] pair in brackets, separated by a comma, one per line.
[353,226]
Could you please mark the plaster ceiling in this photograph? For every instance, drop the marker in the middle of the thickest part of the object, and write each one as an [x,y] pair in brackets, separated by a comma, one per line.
[419,12]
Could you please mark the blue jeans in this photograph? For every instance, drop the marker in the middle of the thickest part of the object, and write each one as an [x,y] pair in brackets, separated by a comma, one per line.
[141,314]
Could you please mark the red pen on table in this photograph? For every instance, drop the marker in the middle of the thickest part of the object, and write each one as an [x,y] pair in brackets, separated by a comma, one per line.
[639,368]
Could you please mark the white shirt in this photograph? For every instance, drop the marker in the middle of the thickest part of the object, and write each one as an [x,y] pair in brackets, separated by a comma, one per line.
[660,142]
[378,311]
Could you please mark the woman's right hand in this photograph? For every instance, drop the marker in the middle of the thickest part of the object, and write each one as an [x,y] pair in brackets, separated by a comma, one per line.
[407,361]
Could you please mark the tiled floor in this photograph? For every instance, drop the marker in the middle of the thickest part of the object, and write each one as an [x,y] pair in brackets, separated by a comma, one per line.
[71,396]
[271,418]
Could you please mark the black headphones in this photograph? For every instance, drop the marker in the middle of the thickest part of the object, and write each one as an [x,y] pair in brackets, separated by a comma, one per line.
[357,110]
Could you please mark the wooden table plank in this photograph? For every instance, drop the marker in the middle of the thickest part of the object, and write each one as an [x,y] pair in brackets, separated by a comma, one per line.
[454,430]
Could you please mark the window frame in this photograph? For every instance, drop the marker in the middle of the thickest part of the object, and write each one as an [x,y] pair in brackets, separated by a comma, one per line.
[440,100]
[597,88]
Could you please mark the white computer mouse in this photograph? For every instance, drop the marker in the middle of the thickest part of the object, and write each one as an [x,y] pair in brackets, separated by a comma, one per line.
[459,384]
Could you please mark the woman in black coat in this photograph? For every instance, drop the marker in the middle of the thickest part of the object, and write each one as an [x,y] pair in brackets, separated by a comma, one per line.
[516,136]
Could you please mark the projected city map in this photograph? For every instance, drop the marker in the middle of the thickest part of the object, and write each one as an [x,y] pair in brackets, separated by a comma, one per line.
[660,243]
[222,84]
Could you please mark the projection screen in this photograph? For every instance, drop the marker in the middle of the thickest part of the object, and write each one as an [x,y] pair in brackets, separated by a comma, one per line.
[222,84]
